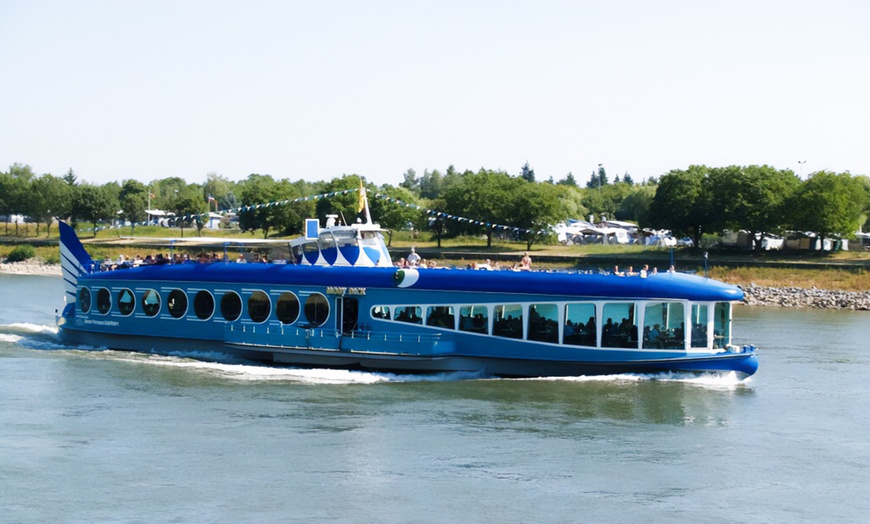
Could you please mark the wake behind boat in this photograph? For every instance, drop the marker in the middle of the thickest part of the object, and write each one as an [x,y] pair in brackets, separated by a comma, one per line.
[341,303]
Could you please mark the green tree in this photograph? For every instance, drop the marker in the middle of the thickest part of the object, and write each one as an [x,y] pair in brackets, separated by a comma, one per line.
[50,197]
[635,206]
[410,181]
[527,173]
[485,196]
[828,204]
[257,192]
[568,180]
[683,202]
[17,192]
[220,189]
[431,184]
[535,208]
[95,204]
[133,200]
[189,207]
[753,198]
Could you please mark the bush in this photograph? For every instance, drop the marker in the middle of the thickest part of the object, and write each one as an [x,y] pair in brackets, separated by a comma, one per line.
[21,253]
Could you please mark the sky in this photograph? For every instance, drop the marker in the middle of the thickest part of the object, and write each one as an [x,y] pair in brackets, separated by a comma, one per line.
[121,89]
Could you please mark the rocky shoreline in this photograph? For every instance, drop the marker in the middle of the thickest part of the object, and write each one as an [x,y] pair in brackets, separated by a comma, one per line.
[808,298]
[753,295]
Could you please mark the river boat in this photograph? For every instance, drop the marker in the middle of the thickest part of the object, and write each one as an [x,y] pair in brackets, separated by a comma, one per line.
[340,302]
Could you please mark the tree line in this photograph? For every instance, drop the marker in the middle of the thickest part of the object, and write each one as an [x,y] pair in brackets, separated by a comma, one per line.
[689,202]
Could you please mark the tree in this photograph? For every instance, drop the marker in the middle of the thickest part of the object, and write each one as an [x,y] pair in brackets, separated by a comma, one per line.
[599,179]
[95,204]
[753,198]
[535,208]
[635,206]
[49,197]
[16,192]
[828,204]
[568,180]
[189,206]
[219,188]
[485,196]
[70,178]
[683,203]
[527,173]
[431,184]
[133,199]
[410,181]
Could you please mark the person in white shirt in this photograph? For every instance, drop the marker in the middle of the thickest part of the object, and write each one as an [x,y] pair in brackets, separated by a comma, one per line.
[413,258]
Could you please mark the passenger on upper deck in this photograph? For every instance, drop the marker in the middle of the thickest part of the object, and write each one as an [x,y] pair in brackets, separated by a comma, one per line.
[526,262]
[413,258]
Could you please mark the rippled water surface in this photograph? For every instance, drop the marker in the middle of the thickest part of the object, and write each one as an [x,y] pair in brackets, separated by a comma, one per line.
[93,435]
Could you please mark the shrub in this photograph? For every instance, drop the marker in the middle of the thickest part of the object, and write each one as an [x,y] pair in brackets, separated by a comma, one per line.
[21,253]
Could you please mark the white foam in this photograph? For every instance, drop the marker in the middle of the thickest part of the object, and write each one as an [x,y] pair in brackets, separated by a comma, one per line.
[725,380]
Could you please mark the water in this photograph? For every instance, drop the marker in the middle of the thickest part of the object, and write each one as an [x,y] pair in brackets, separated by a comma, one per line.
[90,435]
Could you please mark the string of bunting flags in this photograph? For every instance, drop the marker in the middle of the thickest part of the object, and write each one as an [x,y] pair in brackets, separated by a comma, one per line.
[430,212]
[447,216]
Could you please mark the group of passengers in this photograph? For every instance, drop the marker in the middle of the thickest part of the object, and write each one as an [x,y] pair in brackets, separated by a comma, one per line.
[623,334]
[124,262]
[415,260]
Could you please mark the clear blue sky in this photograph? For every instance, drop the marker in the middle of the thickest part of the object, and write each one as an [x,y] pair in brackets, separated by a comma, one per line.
[315,89]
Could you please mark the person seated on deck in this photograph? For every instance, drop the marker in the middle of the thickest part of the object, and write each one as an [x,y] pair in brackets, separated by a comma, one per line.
[617,272]
[413,258]
[526,262]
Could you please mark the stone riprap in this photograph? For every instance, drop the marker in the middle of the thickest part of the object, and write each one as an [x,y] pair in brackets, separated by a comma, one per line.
[802,297]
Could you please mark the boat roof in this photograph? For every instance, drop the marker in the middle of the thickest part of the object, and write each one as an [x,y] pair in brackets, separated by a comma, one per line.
[666,285]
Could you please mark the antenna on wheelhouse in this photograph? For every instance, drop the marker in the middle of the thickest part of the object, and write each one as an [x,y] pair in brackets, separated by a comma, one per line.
[363,206]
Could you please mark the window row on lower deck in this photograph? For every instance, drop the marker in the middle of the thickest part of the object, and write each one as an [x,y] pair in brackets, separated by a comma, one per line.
[205,304]
[644,324]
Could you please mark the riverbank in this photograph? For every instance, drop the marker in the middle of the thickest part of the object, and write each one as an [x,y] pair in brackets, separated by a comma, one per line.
[754,295]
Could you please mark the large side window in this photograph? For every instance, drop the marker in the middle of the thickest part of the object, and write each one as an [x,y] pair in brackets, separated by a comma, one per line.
[474,319]
[440,316]
[699,322]
[231,306]
[381,312]
[664,325]
[410,314]
[579,327]
[544,323]
[620,325]
[507,321]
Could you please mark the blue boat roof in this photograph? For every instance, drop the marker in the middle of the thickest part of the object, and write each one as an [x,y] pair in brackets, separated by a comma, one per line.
[560,283]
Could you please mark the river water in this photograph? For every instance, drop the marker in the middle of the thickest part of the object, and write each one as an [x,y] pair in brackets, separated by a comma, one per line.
[92,436]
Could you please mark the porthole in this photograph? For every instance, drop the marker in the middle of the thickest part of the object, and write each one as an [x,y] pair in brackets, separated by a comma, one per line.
[203,305]
[259,306]
[151,302]
[177,303]
[126,301]
[84,299]
[316,309]
[104,300]
[287,308]
[231,306]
